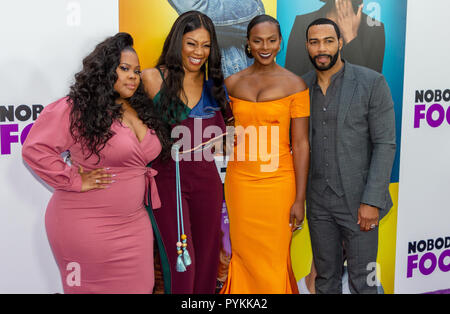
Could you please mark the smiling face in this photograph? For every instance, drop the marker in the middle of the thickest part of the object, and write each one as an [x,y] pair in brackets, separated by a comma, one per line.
[264,42]
[195,49]
[128,74]
[323,46]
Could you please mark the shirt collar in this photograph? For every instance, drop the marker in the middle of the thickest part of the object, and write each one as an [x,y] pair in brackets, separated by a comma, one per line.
[336,75]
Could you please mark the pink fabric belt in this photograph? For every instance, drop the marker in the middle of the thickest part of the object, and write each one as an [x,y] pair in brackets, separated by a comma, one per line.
[151,183]
[127,173]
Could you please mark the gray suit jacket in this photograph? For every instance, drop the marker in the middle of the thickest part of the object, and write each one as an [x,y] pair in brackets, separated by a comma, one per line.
[365,137]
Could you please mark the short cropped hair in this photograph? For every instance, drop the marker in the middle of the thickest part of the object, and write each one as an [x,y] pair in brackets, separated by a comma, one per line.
[324,21]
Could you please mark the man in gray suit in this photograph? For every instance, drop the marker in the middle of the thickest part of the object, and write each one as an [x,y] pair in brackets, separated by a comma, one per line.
[352,135]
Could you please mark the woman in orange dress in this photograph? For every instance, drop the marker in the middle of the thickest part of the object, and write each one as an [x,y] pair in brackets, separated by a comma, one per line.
[266,177]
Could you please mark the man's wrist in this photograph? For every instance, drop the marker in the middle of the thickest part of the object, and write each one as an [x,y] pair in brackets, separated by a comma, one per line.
[370,205]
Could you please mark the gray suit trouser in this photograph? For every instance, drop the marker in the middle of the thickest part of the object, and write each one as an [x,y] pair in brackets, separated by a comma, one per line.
[333,230]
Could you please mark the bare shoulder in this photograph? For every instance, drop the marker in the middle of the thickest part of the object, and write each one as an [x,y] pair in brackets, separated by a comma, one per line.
[232,82]
[152,80]
[151,74]
[293,82]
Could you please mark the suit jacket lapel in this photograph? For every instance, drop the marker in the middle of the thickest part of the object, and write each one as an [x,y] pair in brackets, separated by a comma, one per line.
[310,79]
[347,92]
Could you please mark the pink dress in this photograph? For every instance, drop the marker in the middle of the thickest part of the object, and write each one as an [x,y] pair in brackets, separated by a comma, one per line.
[102,240]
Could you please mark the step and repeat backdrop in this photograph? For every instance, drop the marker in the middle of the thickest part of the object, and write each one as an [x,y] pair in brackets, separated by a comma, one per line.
[423,226]
[44,42]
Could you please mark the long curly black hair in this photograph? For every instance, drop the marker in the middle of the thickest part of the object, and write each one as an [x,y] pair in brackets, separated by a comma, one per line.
[171,61]
[94,100]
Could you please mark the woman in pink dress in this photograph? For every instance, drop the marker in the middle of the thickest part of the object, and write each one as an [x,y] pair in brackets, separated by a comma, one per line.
[96,221]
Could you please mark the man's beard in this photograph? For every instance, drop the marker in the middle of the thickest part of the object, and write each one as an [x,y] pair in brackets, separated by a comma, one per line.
[327,67]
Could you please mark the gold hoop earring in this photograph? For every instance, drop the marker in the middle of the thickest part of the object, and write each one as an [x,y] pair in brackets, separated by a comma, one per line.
[206,70]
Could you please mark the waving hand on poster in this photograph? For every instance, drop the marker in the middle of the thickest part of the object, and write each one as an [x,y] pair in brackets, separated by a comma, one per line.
[348,20]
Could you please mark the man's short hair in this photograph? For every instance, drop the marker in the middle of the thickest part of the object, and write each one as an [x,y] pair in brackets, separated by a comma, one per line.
[324,21]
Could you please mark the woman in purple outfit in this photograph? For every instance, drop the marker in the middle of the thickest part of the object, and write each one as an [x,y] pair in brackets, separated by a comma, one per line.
[187,87]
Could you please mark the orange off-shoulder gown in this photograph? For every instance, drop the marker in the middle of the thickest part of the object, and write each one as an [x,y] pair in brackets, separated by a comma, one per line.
[259,193]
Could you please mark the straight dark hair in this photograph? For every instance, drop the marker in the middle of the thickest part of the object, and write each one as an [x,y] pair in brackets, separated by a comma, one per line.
[171,62]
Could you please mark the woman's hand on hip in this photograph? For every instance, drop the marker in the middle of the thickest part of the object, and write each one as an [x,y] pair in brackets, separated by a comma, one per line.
[95,179]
